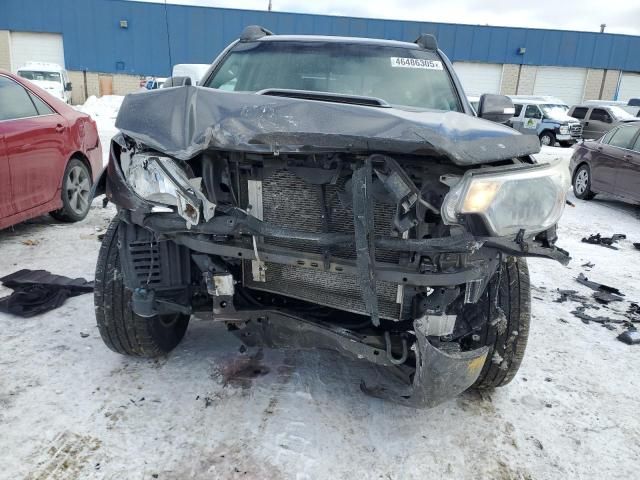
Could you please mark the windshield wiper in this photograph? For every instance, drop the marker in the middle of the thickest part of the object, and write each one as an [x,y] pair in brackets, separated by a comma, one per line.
[325,97]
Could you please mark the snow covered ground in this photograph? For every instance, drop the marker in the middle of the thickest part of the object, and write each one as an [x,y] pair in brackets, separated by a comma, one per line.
[70,408]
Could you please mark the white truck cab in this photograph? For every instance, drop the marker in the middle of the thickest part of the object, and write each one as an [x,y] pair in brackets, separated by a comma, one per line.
[48,76]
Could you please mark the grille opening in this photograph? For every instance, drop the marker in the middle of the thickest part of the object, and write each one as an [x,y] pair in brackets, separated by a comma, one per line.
[288,201]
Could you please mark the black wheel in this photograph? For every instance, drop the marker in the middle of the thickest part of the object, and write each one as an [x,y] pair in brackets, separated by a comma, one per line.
[505,325]
[582,183]
[76,193]
[547,138]
[122,330]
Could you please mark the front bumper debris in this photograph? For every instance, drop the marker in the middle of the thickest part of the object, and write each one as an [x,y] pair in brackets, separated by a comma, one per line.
[439,375]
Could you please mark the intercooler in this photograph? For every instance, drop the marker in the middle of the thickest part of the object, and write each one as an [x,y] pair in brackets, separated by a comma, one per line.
[288,201]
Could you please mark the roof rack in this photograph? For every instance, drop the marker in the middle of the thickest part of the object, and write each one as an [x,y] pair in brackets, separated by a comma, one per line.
[254,32]
[427,41]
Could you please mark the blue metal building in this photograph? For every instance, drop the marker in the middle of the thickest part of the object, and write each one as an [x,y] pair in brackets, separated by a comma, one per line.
[94,39]
[138,38]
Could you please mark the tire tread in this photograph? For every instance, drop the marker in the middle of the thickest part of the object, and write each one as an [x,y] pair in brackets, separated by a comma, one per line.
[514,298]
[121,330]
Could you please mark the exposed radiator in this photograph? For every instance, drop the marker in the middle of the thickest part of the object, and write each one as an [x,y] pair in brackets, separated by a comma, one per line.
[291,202]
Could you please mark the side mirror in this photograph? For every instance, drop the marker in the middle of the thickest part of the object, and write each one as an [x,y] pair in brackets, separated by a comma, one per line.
[177,82]
[67,87]
[607,119]
[496,108]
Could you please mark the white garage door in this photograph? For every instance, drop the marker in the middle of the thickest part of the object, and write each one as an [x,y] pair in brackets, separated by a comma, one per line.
[479,78]
[36,47]
[629,86]
[564,83]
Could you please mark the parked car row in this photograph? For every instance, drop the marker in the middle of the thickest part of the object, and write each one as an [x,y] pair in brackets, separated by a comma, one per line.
[50,154]
[553,121]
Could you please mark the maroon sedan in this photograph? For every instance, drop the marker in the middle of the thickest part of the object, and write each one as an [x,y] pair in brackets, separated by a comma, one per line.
[610,165]
[50,155]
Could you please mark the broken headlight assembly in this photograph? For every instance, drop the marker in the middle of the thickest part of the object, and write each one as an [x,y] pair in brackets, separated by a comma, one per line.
[529,198]
[160,180]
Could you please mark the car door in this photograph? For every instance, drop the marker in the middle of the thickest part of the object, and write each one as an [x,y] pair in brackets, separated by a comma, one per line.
[34,139]
[579,113]
[6,202]
[628,179]
[516,121]
[532,119]
[597,124]
[608,158]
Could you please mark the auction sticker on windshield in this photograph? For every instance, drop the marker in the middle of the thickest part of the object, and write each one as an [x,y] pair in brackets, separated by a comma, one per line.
[405,62]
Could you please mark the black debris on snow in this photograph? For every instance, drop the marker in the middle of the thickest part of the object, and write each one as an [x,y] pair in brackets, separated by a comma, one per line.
[598,287]
[630,337]
[586,318]
[38,291]
[570,295]
[608,242]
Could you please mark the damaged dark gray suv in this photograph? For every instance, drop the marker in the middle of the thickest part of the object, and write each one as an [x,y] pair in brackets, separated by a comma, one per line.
[337,193]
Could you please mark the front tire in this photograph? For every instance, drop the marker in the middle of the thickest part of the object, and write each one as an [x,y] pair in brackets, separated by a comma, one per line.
[582,183]
[547,138]
[76,193]
[506,325]
[122,330]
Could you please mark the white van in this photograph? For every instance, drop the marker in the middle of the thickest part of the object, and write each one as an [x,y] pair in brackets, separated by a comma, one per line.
[48,76]
[195,71]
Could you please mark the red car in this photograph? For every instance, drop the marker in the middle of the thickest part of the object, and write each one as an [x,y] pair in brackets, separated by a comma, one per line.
[50,154]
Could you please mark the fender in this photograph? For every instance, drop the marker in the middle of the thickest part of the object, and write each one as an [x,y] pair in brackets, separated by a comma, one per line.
[100,186]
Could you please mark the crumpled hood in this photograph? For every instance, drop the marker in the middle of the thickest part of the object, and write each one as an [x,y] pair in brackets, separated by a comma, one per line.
[184,121]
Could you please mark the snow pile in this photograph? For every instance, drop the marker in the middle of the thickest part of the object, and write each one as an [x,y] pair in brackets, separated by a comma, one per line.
[104,111]
[105,107]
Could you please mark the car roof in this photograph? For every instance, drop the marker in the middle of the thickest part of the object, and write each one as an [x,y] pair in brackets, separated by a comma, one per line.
[594,105]
[42,66]
[602,103]
[536,99]
[336,39]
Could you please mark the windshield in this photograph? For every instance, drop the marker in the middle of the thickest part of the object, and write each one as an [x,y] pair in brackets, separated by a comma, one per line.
[36,75]
[554,111]
[621,114]
[400,76]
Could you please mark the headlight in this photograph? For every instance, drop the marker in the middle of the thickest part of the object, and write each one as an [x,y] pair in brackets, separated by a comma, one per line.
[564,129]
[530,198]
[160,180]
